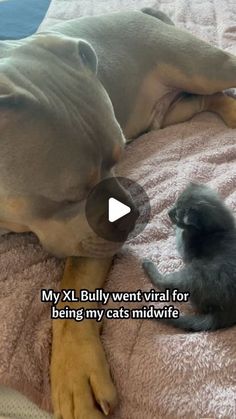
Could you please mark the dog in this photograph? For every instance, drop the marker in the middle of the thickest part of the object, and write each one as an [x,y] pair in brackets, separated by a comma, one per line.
[206,239]
[69,100]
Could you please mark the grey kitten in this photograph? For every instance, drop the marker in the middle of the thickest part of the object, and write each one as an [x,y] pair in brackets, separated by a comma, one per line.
[206,239]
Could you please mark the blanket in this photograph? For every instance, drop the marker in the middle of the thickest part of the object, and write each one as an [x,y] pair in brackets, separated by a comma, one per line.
[159,372]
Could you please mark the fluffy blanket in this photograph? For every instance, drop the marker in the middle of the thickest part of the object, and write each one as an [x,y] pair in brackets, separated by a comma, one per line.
[159,372]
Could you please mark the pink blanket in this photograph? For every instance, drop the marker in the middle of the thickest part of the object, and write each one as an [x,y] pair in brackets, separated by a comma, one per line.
[159,372]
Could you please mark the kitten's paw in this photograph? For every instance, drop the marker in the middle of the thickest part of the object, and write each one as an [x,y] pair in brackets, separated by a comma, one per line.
[151,271]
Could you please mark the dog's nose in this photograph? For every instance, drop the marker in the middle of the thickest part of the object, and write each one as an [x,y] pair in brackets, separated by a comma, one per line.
[127,223]
[117,208]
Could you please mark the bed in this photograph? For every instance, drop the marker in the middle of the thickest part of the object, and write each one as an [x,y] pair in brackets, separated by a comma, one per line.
[159,372]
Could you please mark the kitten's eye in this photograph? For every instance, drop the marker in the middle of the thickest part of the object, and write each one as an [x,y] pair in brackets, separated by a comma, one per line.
[192,218]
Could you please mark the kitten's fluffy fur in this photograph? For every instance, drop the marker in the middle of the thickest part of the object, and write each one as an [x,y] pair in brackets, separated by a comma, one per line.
[206,239]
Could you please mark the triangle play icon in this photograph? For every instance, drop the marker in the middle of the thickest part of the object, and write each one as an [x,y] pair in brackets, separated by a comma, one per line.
[117,210]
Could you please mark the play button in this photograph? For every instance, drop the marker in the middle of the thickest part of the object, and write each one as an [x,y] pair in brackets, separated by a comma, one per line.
[117,208]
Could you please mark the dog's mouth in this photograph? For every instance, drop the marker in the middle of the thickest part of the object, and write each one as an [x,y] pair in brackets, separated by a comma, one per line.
[98,248]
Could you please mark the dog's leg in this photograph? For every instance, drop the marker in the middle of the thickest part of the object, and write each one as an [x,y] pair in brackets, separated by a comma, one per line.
[189,105]
[81,383]
[182,110]
[224,106]
[198,67]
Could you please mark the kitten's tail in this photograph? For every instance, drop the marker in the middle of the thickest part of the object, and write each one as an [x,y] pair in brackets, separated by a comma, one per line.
[204,322]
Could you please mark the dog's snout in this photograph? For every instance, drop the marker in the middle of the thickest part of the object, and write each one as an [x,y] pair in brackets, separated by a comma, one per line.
[136,213]
[127,223]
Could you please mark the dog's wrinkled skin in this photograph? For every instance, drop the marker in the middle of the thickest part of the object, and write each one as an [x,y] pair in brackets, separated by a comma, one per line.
[67,100]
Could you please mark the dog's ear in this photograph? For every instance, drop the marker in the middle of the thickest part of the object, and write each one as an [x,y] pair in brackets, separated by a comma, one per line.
[66,47]
[88,55]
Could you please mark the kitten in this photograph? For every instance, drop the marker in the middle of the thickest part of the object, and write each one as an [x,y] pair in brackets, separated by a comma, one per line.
[206,239]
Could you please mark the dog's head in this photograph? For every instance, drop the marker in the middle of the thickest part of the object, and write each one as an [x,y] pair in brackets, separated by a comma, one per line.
[59,137]
[200,209]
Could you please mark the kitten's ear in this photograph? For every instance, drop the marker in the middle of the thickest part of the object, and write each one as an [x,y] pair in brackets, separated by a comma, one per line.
[193,219]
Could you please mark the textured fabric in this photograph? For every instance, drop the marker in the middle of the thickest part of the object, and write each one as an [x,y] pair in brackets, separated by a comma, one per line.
[14,405]
[25,326]
[159,372]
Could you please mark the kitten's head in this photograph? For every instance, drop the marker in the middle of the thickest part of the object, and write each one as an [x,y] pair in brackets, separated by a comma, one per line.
[200,209]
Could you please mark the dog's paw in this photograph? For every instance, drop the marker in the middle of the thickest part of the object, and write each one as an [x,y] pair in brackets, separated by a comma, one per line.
[225,106]
[228,112]
[80,378]
[151,271]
